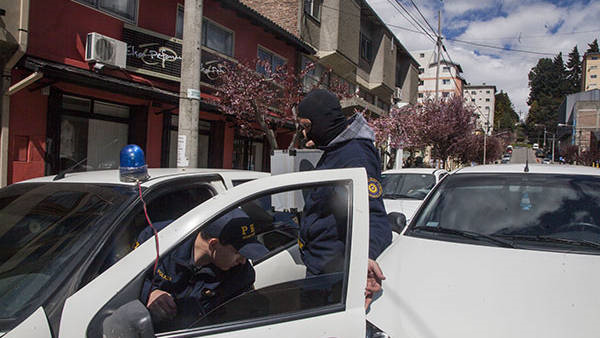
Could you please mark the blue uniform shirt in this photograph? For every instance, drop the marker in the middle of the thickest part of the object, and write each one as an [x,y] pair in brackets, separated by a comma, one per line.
[196,290]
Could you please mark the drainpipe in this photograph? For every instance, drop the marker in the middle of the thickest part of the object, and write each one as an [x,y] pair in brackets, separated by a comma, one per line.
[22,35]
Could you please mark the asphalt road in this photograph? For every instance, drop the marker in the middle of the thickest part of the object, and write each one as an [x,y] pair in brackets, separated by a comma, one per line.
[521,153]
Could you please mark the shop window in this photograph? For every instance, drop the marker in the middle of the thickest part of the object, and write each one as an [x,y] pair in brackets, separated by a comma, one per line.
[313,8]
[92,134]
[217,38]
[247,154]
[274,60]
[203,141]
[125,9]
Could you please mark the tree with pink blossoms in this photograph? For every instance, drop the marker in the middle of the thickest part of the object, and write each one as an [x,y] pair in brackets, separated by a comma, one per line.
[267,98]
[440,124]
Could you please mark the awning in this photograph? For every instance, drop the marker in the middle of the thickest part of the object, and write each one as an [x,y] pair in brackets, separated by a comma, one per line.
[83,77]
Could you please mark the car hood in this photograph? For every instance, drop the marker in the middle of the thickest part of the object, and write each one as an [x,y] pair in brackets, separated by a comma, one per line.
[406,206]
[443,289]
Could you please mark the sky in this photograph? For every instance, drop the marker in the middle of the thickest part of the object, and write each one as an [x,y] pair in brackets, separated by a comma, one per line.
[549,27]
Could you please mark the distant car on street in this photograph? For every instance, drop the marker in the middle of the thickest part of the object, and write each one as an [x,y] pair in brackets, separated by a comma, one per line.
[546,160]
[405,189]
[535,146]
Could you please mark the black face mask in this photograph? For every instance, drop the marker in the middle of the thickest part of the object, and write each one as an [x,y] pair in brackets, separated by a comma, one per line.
[323,109]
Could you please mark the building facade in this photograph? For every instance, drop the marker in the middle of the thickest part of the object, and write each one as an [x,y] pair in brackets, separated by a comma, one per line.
[590,77]
[66,111]
[483,99]
[450,81]
[354,43]
[579,118]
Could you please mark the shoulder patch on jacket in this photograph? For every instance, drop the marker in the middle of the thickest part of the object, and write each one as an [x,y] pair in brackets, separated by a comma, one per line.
[375,189]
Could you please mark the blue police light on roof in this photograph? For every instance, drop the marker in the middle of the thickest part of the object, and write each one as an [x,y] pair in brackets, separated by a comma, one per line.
[132,165]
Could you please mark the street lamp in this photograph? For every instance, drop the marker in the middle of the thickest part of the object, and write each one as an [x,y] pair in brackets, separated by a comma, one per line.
[542,125]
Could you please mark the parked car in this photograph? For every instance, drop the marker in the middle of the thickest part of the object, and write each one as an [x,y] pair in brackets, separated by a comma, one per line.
[535,146]
[58,234]
[497,251]
[405,189]
[546,160]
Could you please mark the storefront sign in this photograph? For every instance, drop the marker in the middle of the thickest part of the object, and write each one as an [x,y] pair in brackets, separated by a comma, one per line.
[159,55]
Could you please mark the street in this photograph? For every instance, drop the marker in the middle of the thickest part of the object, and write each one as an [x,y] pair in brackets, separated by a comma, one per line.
[521,153]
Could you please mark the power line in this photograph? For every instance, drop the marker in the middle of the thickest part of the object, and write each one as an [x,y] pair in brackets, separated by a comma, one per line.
[421,14]
[394,3]
[498,47]
[535,36]
[415,20]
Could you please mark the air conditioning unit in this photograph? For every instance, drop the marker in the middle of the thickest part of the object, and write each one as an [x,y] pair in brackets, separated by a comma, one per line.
[398,93]
[106,51]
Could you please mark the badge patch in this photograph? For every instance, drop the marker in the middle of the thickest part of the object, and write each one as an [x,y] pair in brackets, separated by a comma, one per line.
[375,189]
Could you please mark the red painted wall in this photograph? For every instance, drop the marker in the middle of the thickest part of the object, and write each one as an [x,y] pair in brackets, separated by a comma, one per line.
[57,32]
[27,134]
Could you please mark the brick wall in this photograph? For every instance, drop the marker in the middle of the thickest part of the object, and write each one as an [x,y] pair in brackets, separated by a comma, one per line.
[282,12]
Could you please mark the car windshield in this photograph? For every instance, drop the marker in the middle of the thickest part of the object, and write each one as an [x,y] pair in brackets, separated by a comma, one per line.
[413,186]
[46,231]
[554,212]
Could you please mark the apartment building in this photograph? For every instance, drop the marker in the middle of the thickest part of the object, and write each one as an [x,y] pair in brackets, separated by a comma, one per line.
[78,97]
[355,44]
[450,80]
[579,116]
[590,77]
[483,99]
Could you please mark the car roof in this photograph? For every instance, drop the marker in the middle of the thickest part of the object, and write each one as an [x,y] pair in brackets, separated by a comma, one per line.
[156,175]
[412,171]
[533,169]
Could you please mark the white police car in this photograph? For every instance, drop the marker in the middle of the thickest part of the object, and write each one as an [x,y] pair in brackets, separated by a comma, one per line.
[58,233]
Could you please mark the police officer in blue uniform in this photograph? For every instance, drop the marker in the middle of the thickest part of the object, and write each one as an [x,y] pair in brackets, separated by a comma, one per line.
[346,143]
[202,272]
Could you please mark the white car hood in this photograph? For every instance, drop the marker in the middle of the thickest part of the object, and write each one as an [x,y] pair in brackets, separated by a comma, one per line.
[406,206]
[442,289]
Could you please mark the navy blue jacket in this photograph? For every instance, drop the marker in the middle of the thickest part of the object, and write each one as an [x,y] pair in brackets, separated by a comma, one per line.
[196,290]
[323,225]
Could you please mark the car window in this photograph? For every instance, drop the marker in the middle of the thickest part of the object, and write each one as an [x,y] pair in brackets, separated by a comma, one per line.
[47,231]
[165,204]
[517,205]
[413,186]
[287,291]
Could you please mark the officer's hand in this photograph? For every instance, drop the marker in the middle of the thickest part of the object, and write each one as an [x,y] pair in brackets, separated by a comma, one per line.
[374,278]
[161,305]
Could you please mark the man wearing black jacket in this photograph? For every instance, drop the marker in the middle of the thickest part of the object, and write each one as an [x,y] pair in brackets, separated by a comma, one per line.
[347,143]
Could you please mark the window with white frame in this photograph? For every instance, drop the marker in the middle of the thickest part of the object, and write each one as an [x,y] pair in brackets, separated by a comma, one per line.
[487,100]
[275,61]
[446,69]
[473,92]
[421,70]
[594,76]
[125,9]
[217,38]
[313,8]
[445,81]
[422,55]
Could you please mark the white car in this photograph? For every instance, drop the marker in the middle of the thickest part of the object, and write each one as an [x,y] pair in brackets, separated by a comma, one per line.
[498,251]
[405,189]
[58,235]
[479,259]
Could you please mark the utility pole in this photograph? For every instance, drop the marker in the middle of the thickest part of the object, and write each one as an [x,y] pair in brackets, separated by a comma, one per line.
[189,88]
[439,47]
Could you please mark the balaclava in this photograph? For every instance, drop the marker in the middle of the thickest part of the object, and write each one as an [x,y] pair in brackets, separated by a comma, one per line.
[323,109]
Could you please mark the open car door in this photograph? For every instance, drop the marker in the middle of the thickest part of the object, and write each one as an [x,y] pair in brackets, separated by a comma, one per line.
[282,304]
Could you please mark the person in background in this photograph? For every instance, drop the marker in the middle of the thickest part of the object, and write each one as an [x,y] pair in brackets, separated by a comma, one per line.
[346,143]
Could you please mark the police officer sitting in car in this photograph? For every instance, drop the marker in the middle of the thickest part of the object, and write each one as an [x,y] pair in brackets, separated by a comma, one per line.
[202,272]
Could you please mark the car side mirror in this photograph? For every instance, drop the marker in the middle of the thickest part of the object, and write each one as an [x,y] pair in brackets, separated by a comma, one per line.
[129,320]
[398,221]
